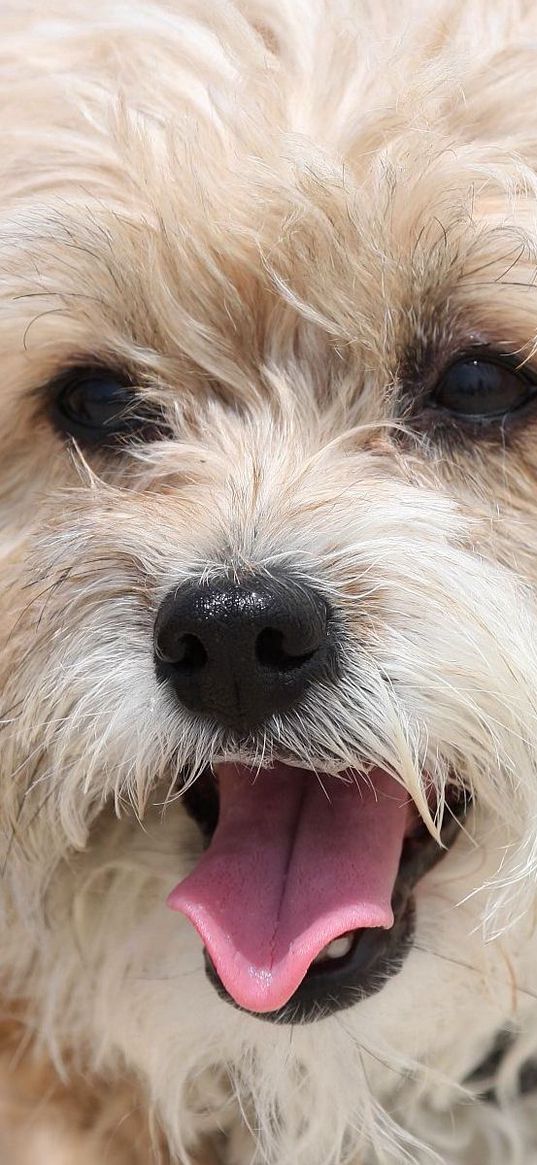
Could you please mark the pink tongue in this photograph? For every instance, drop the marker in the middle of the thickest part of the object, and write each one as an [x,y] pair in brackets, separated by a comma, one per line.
[289,869]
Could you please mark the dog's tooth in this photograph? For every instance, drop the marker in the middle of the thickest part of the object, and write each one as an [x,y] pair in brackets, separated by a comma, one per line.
[336,949]
[339,947]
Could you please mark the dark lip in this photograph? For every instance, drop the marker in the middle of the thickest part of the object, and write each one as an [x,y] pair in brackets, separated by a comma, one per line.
[376,954]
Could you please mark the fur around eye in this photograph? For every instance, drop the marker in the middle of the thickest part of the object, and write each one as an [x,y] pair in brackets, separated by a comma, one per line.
[96,405]
[481,389]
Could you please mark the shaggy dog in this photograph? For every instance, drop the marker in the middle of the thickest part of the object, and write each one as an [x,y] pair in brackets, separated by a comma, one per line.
[269,556]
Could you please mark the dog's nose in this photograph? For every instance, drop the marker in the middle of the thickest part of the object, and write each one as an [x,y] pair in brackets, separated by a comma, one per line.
[240,652]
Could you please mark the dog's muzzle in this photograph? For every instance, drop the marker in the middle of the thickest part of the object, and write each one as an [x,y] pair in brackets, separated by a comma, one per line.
[303,898]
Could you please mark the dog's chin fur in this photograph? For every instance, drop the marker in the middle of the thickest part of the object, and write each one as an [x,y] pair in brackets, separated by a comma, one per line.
[283,218]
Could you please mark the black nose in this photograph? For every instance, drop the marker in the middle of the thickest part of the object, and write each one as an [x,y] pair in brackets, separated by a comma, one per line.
[240,652]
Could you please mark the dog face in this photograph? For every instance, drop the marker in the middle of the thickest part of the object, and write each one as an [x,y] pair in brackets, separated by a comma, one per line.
[268,627]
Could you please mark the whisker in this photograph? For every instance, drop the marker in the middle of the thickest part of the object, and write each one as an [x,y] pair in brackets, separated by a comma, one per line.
[470,967]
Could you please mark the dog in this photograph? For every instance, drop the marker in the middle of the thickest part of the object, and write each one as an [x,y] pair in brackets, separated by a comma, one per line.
[269,566]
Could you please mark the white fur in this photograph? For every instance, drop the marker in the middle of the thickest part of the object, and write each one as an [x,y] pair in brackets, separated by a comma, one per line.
[261,208]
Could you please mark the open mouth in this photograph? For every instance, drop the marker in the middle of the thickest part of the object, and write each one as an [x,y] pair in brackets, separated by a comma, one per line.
[304,897]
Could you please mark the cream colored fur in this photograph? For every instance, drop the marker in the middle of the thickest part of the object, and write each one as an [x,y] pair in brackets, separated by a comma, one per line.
[268,212]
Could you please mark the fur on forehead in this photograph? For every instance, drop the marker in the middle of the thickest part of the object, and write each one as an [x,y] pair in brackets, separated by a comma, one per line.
[206,240]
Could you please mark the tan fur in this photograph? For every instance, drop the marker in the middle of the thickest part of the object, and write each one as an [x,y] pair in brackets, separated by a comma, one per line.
[43,1120]
[278,217]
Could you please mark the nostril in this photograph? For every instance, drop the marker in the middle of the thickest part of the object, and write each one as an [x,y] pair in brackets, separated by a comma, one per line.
[240,652]
[272,652]
[188,656]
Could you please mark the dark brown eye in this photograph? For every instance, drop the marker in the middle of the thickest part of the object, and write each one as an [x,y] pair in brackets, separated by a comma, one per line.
[97,405]
[482,389]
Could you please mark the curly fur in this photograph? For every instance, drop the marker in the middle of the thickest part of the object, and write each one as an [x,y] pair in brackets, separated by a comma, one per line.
[279,217]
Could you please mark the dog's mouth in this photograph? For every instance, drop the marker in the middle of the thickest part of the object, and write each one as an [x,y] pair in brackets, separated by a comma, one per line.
[303,898]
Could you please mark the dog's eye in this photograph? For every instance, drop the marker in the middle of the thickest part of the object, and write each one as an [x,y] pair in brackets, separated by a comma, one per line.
[97,405]
[482,389]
